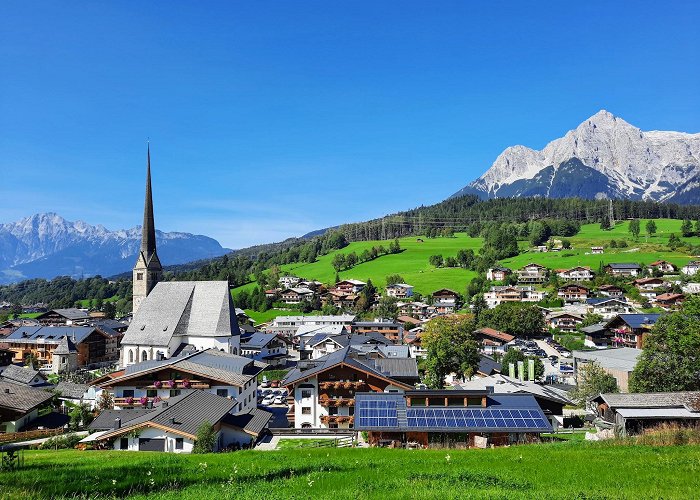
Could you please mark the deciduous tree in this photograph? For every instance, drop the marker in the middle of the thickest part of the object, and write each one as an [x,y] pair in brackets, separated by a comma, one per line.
[451,348]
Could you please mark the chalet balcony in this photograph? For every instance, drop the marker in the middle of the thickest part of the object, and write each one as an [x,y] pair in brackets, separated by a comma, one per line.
[135,402]
[336,402]
[342,384]
[176,384]
[337,419]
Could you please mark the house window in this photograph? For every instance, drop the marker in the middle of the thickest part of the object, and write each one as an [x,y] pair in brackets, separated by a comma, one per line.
[332,425]
[179,443]
[474,401]
[139,276]
[306,410]
[124,444]
[332,410]
[174,392]
[305,393]
[222,392]
[128,393]
[151,393]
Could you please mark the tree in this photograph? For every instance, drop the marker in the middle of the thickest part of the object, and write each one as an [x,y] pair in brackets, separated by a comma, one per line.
[513,356]
[451,348]
[674,241]
[517,318]
[590,319]
[351,260]
[634,228]
[450,262]
[670,359]
[395,246]
[338,262]
[478,305]
[206,439]
[593,380]
[80,415]
[387,308]
[687,228]
[110,310]
[651,227]
[605,223]
[436,260]
[393,279]
[105,402]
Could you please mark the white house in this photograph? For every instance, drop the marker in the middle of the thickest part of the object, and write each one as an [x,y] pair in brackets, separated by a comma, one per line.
[578,273]
[608,308]
[269,348]
[399,290]
[691,268]
[288,325]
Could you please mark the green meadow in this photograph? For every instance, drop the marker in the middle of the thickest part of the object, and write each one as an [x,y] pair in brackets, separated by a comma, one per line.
[412,262]
[550,471]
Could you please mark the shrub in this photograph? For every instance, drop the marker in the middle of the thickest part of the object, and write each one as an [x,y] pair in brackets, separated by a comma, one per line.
[206,439]
[60,442]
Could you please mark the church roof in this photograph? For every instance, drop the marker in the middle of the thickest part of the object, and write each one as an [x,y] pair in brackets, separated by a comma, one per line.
[65,346]
[183,309]
[148,230]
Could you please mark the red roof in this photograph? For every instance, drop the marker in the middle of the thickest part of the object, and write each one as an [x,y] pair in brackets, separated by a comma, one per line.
[490,332]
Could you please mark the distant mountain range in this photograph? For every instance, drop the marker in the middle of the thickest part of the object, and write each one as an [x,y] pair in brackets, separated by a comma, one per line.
[604,157]
[47,245]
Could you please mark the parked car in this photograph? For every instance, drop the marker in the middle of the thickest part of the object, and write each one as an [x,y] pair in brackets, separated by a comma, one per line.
[265,383]
[268,400]
[279,400]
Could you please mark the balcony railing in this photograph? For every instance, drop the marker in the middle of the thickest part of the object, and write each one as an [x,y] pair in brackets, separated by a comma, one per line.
[342,384]
[338,419]
[336,402]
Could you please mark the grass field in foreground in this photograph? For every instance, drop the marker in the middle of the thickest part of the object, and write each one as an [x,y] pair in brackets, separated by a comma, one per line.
[558,470]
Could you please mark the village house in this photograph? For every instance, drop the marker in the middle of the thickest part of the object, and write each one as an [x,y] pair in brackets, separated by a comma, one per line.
[500,294]
[449,418]
[608,307]
[648,284]
[445,301]
[40,342]
[618,362]
[349,286]
[623,269]
[306,332]
[492,340]
[597,250]
[413,341]
[20,404]
[670,301]
[662,266]
[498,273]
[408,322]
[70,316]
[611,291]
[563,321]
[532,273]
[289,281]
[691,268]
[23,375]
[171,426]
[341,300]
[369,343]
[629,329]
[267,348]
[576,274]
[573,293]
[391,330]
[633,413]
[296,295]
[227,375]
[418,309]
[399,290]
[597,336]
[324,389]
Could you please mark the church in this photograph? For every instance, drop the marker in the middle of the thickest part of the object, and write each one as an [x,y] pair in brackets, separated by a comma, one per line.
[175,317]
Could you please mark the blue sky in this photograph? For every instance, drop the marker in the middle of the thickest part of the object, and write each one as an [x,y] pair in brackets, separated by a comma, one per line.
[271,119]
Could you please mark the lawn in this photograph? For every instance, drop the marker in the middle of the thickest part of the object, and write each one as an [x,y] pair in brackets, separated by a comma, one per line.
[301,443]
[557,470]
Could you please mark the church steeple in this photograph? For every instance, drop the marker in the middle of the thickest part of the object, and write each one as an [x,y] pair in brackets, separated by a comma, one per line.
[148,231]
[147,271]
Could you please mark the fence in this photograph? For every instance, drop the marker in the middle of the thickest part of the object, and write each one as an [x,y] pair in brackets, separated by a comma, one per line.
[12,437]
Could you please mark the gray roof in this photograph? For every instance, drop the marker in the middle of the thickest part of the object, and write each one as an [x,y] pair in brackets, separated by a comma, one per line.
[396,367]
[72,313]
[105,420]
[19,374]
[212,363]
[617,265]
[65,346]
[21,398]
[252,422]
[619,358]
[258,340]
[596,328]
[183,414]
[183,308]
[50,334]
[649,399]
[506,385]
[345,355]
[488,365]
[72,390]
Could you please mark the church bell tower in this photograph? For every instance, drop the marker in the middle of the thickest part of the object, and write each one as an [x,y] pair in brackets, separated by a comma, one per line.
[147,271]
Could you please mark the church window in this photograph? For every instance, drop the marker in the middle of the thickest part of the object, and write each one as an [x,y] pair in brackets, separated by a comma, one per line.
[131,356]
[144,356]
[139,276]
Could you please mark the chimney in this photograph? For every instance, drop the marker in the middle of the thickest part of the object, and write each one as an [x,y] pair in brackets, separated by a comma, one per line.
[117,423]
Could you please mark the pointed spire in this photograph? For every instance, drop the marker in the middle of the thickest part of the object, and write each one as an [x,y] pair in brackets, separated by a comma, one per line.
[148,231]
